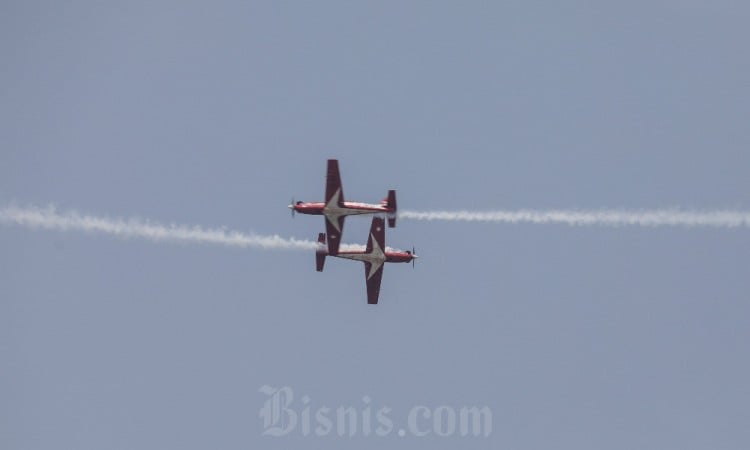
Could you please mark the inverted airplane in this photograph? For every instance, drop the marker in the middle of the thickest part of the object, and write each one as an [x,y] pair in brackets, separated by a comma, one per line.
[335,208]
[374,257]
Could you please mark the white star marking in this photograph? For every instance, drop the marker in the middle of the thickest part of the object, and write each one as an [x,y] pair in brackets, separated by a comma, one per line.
[333,211]
[376,257]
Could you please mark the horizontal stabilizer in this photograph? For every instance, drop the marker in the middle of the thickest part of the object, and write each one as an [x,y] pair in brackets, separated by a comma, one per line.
[391,203]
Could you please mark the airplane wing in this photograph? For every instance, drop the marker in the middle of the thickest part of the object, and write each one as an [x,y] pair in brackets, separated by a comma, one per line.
[333,183]
[374,269]
[334,232]
[373,283]
[377,231]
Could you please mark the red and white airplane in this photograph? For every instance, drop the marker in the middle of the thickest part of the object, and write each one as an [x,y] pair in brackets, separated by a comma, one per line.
[335,209]
[374,257]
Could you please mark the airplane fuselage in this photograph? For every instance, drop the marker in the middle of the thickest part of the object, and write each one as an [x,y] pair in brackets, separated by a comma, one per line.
[389,256]
[348,209]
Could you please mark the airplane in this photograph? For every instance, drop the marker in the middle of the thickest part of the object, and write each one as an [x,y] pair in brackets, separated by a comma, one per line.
[374,257]
[335,208]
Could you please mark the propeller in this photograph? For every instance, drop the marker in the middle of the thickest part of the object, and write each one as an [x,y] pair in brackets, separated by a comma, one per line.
[413,256]
[291,206]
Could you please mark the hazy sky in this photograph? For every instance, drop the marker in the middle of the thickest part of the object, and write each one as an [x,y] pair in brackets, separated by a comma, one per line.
[217,113]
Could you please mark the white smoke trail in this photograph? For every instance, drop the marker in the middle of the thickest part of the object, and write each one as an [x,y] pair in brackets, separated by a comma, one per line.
[49,218]
[604,217]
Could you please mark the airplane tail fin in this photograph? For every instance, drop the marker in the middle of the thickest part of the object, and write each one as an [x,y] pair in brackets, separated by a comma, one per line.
[391,203]
[320,253]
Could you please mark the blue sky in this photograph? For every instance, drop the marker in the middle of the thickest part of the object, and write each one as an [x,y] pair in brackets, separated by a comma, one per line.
[217,114]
